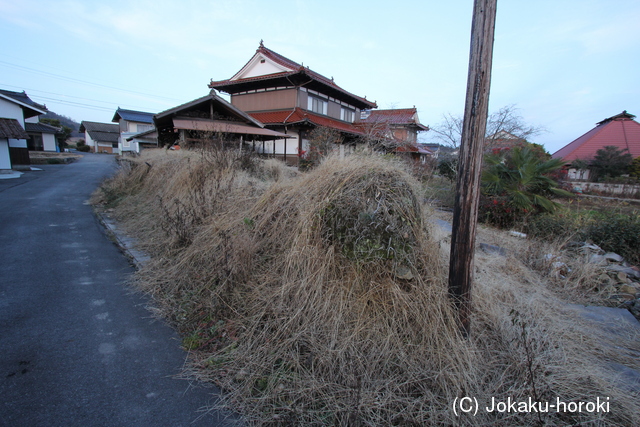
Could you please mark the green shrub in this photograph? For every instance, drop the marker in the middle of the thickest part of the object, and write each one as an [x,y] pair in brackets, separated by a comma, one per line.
[617,233]
[84,148]
[554,226]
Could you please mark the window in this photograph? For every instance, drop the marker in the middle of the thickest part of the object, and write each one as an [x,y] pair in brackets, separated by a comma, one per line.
[317,105]
[144,128]
[347,115]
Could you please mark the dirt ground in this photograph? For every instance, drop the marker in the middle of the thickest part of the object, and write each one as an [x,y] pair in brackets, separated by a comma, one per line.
[601,204]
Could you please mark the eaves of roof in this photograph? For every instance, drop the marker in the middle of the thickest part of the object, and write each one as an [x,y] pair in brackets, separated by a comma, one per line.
[29,107]
[103,136]
[398,116]
[99,127]
[212,97]
[41,127]
[302,74]
[297,116]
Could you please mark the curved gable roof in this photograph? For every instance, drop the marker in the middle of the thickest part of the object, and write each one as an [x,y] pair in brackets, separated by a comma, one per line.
[286,72]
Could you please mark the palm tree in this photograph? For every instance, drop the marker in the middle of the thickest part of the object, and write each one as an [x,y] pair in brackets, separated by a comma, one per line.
[522,177]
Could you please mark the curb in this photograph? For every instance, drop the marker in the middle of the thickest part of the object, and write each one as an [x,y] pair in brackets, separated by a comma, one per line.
[125,243]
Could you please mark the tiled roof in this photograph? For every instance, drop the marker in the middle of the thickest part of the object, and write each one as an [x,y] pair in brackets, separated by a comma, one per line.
[99,127]
[101,132]
[298,116]
[295,69]
[40,127]
[413,148]
[10,128]
[620,131]
[132,116]
[396,116]
[219,102]
[104,136]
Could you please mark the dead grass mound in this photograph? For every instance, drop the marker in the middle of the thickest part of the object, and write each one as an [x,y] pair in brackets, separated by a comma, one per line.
[320,299]
[332,298]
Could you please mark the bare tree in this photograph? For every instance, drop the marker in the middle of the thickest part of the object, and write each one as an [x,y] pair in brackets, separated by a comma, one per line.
[449,131]
[505,120]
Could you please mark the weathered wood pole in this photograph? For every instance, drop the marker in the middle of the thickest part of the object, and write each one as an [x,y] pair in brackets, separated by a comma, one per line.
[465,213]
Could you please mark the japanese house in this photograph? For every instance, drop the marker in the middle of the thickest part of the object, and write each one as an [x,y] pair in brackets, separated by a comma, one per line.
[293,99]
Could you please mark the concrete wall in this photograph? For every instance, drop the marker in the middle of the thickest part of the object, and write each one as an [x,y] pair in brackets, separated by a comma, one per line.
[622,190]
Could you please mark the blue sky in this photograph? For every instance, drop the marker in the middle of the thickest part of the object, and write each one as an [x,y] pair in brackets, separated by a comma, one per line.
[565,64]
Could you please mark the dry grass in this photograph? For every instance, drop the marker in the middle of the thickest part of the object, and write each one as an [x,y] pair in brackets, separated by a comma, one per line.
[320,299]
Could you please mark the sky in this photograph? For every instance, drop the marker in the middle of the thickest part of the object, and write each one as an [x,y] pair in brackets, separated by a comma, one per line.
[563,64]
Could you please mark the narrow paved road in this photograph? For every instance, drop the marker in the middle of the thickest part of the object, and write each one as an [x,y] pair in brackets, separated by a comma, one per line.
[77,347]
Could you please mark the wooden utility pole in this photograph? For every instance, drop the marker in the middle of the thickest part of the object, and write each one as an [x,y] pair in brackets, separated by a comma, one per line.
[465,213]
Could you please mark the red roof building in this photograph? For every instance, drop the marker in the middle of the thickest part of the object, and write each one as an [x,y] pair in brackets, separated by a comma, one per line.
[401,124]
[291,98]
[620,131]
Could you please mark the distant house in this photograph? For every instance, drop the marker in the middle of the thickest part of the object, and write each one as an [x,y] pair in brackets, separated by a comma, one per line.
[502,140]
[101,137]
[401,124]
[16,108]
[621,131]
[136,130]
[293,99]
[42,137]
[195,122]
[398,127]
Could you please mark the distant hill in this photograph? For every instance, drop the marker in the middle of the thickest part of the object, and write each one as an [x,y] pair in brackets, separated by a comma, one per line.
[66,121]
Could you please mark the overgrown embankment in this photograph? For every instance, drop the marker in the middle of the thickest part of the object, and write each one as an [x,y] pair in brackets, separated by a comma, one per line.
[320,298]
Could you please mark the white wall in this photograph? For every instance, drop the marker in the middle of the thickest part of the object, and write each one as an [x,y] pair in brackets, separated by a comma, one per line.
[5,161]
[49,142]
[258,68]
[88,140]
[11,110]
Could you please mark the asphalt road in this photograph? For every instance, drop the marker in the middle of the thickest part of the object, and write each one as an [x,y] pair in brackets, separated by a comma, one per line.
[77,347]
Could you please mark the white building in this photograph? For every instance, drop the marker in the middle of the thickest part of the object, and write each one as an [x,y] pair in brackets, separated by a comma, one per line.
[16,108]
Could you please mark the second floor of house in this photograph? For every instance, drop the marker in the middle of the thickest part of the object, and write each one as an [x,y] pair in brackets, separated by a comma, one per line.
[272,82]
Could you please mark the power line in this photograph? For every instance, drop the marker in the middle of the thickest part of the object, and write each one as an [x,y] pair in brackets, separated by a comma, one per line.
[70,102]
[52,93]
[75,80]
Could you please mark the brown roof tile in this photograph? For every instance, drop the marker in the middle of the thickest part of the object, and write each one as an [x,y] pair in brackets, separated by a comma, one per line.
[298,115]
[11,129]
